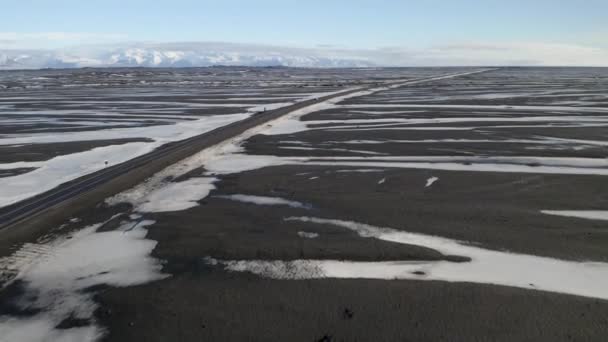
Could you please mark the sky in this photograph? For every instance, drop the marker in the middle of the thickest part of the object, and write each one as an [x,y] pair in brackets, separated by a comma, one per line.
[532,30]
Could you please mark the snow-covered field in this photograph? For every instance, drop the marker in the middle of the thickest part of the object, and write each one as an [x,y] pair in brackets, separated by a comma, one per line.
[545,136]
[46,116]
[397,149]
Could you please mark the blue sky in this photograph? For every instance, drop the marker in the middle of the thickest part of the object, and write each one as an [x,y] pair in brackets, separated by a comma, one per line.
[353,23]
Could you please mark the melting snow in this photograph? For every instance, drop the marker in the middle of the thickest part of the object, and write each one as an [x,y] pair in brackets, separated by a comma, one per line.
[59,272]
[485,107]
[431,181]
[177,196]
[589,279]
[57,275]
[64,168]
[61,169]
[262,200]
[584,214]
[308,235]
[226,162]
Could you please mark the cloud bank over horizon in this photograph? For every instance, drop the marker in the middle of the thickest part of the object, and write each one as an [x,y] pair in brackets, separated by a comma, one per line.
[315,33]
[200,54]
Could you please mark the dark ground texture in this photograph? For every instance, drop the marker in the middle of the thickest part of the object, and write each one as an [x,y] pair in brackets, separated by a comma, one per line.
[201,302]
[206,306]
[500,211]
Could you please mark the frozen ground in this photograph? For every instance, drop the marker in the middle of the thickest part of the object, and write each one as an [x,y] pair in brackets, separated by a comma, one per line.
[470,207]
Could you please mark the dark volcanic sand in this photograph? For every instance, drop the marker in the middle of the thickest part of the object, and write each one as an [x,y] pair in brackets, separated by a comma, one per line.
[205,305]
[500,211]
[497,210]
[201,302]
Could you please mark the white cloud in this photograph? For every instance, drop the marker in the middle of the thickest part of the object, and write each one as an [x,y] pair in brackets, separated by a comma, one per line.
[209,53]
[483,53]
[522,53]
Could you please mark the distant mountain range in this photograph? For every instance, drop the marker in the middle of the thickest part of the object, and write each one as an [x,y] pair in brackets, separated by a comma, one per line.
[201,54]
[179,55]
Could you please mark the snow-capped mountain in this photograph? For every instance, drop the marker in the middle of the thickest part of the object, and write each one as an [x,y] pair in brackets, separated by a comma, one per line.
[178,55]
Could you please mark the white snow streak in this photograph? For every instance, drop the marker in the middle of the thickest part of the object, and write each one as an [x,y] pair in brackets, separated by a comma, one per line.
[263,200]
[588,279]
[584,214]
[431,181]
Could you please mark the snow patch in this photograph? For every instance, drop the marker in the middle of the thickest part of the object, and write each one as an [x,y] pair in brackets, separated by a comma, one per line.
[588,279]
[359,170]
[62,169]
[431,181]
[308,235]
[263,200]
[584,214]
[177,196]
[56,277]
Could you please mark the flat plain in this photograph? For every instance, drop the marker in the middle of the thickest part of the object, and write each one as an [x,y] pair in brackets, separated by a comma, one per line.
[467,207]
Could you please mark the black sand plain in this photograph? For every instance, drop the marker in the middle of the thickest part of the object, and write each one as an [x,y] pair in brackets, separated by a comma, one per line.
[494,210]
